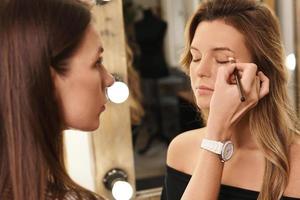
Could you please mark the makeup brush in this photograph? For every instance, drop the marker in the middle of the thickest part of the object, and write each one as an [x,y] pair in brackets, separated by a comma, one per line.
[237,79]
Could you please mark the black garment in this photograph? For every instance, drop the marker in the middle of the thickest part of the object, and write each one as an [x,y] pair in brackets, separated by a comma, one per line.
[176,182]
[150,32]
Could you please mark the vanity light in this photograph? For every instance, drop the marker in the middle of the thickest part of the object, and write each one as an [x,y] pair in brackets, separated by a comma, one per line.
[290,62]
[118,92]
[116,181]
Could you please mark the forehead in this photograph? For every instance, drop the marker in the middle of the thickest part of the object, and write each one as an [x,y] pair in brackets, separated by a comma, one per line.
[91,38]
[90,45]
[214,34]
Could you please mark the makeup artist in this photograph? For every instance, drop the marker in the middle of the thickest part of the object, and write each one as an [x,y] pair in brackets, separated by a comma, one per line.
[248,149]
[51,79]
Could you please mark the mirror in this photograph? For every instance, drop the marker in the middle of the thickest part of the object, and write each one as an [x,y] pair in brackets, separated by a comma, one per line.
[164,88]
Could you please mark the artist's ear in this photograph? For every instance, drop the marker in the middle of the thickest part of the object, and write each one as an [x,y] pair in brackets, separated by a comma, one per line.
[55,79]
[54,74]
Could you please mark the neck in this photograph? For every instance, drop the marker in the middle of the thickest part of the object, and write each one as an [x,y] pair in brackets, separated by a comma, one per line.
[242,137]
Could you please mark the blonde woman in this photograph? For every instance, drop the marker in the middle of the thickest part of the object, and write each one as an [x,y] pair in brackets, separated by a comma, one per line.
[248,149]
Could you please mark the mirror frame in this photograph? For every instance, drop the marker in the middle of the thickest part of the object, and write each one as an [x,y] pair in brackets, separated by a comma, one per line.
[297,53]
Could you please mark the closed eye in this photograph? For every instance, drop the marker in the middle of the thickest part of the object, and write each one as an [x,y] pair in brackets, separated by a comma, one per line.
[222,62]
[196,59]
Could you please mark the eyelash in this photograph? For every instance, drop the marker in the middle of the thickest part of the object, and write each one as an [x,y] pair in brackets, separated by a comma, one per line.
[223,62]
[219,62]
[99,62]
[196,60]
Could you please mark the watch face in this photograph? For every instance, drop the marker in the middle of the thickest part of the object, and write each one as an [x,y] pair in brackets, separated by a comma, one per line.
[227,151]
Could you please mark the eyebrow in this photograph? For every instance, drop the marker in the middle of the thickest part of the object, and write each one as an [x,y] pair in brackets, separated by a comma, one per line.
[215,49]
[222,49]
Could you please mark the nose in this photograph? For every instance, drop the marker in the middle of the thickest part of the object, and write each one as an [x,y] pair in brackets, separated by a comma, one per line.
[204,68]
[109,79]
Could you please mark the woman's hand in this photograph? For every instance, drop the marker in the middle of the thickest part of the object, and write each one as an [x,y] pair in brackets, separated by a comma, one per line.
[226,108]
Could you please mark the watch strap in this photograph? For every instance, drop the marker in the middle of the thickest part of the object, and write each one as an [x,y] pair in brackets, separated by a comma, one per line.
[212,145]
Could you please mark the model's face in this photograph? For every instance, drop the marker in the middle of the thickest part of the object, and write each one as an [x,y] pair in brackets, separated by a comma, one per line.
[82,90]
[213,43]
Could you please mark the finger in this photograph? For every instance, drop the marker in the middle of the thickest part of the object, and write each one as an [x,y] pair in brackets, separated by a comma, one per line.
[224,73]
[257,81]
[265,84]
[232,79]
[248,71]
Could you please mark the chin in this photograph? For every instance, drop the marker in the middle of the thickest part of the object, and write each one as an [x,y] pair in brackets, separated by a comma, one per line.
[86,127]
[90,129]
[94,127]
[203,104]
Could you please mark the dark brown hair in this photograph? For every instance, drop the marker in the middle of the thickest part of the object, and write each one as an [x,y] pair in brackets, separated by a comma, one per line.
[272,122]
[35,36]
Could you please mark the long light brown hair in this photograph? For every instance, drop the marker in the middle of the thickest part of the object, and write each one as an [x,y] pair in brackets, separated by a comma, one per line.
[272,121]
[36,36]
[134,83]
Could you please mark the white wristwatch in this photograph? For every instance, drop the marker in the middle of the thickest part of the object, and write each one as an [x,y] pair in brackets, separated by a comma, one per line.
[225,150]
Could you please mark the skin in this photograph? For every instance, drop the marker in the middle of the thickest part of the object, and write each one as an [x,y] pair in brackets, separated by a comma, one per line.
[208,57]
[216,93]
[82,90]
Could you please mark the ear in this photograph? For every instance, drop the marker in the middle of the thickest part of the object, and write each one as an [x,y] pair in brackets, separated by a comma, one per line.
[55,80]
[53,73]
[56,77]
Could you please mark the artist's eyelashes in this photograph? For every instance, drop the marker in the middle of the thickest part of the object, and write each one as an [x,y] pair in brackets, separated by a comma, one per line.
[99,62]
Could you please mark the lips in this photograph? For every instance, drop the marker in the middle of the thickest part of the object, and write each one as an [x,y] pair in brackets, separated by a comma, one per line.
[204,90]
[204,87]
[102,108]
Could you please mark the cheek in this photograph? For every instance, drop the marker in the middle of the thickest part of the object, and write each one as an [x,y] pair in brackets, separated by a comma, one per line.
[82,102]
[85,90]
[214,74]
[192,77]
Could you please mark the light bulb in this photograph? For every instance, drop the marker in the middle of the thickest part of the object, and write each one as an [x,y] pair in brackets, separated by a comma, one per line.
[122,190]
[290,62]
[118,92]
